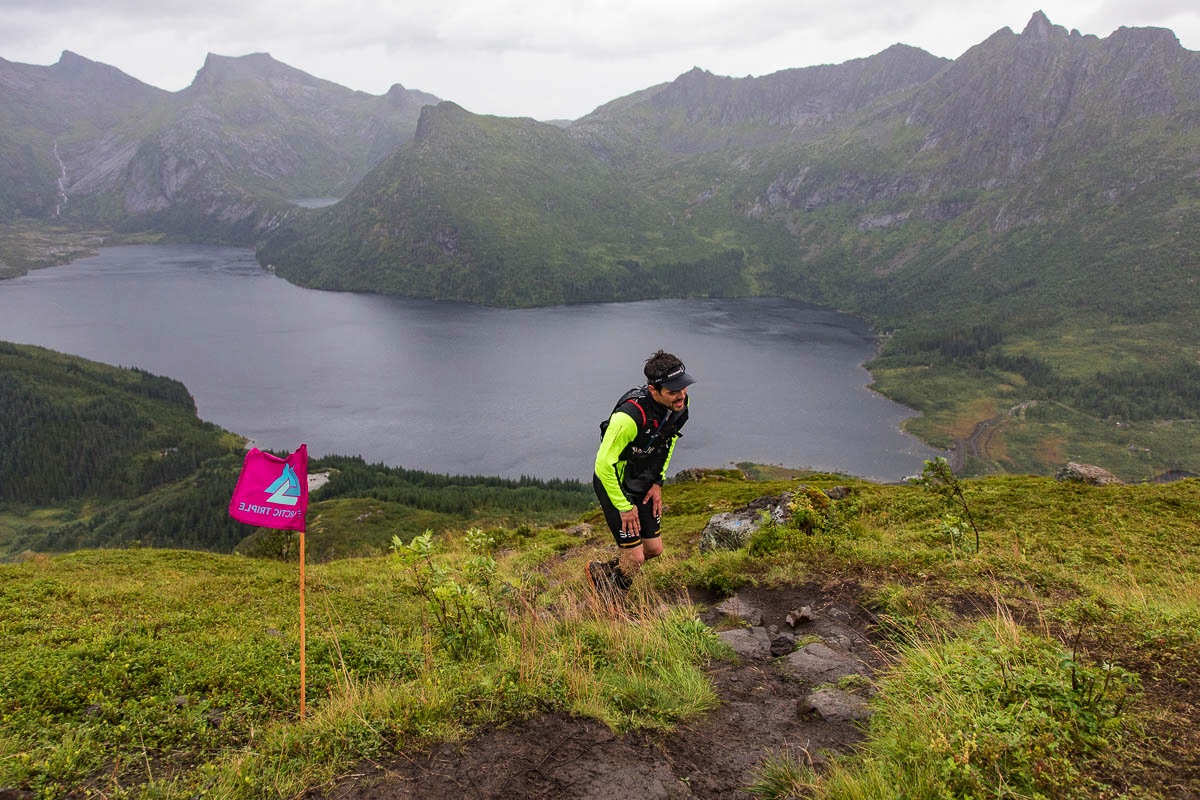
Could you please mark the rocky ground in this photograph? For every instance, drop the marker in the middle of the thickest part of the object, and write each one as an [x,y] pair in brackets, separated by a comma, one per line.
[768,706]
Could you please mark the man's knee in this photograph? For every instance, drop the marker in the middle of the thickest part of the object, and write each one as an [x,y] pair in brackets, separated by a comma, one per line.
[651,548]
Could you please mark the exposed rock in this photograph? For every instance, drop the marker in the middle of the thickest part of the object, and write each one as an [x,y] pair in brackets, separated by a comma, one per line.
[835,705]
[819,663]
[731,530]
[782,643]
[748,642]
[1086,473]
[742,610]
[698,474]
[583,530]
[317,479]
[799,617]
[727,531]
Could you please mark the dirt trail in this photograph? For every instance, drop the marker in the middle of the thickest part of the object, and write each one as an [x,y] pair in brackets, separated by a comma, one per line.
[976,445]
[763,711]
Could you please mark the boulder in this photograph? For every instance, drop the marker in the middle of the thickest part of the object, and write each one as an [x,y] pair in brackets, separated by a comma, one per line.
[782,642]
[797,617]
[834,705]
[1086,473]
[731,530]
[819,663]
[727,531]
[748,642]
[582,530]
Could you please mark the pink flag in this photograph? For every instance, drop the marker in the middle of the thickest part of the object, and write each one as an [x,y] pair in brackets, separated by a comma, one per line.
[272,492]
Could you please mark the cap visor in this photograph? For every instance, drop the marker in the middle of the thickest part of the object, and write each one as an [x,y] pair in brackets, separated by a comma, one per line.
[677,383]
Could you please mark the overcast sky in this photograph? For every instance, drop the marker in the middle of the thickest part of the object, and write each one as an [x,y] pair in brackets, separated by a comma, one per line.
[547,59]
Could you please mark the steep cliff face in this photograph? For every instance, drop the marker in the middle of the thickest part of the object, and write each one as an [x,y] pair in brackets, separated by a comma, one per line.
[1010,101]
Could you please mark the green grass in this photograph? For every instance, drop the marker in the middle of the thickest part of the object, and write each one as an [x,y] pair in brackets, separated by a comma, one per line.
[1040,438]
[169,671]
[172,674]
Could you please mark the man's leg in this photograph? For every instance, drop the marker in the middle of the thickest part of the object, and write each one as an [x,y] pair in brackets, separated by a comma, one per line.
[633,548]
[649,544]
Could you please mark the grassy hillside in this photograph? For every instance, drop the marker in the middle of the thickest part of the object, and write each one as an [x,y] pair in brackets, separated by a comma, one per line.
[1064,649]
[506,211]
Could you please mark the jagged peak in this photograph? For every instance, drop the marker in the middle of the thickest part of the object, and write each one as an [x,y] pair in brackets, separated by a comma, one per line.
[1041,29]
[72,66]
[695,74]
[69,58]
[429,116]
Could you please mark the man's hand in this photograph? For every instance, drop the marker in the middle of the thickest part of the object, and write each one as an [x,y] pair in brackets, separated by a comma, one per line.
[630,522]
[654,497]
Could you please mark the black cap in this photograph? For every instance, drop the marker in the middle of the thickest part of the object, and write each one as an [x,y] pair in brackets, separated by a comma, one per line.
[676,379]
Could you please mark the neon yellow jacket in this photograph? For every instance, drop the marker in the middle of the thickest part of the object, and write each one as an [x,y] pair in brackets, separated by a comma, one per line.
[615,472]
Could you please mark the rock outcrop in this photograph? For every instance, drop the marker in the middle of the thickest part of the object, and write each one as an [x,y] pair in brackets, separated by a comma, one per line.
[1086,473]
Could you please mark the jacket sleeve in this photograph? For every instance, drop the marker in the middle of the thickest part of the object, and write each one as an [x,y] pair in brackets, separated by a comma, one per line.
[621,431]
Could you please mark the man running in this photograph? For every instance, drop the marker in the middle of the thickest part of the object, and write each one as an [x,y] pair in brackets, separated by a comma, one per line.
[631,464]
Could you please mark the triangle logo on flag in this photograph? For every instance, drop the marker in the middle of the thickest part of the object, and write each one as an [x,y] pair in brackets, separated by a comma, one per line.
[286,489]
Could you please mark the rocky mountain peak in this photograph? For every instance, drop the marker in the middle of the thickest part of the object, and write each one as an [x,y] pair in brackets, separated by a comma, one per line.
[74,68]
[221,71]
[1039,28]
[401,98]
[433,115]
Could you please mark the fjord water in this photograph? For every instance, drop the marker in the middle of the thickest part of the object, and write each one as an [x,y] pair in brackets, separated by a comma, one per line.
[463,389]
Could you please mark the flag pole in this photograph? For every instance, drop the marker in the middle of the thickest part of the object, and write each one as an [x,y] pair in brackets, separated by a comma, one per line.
[283,508]
[302,681]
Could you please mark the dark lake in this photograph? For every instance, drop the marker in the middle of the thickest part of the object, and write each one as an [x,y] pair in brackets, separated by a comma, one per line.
[463,389]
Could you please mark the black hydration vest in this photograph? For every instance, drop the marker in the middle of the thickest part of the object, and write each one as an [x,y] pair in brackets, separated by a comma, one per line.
[647,453]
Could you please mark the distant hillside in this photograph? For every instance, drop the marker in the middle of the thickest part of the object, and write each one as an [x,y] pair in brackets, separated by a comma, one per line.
[499,210]
[120,450]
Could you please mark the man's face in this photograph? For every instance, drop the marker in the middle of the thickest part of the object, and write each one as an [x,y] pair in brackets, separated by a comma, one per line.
[674,399]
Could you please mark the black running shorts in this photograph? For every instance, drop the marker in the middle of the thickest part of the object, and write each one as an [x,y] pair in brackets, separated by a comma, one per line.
[650,522]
